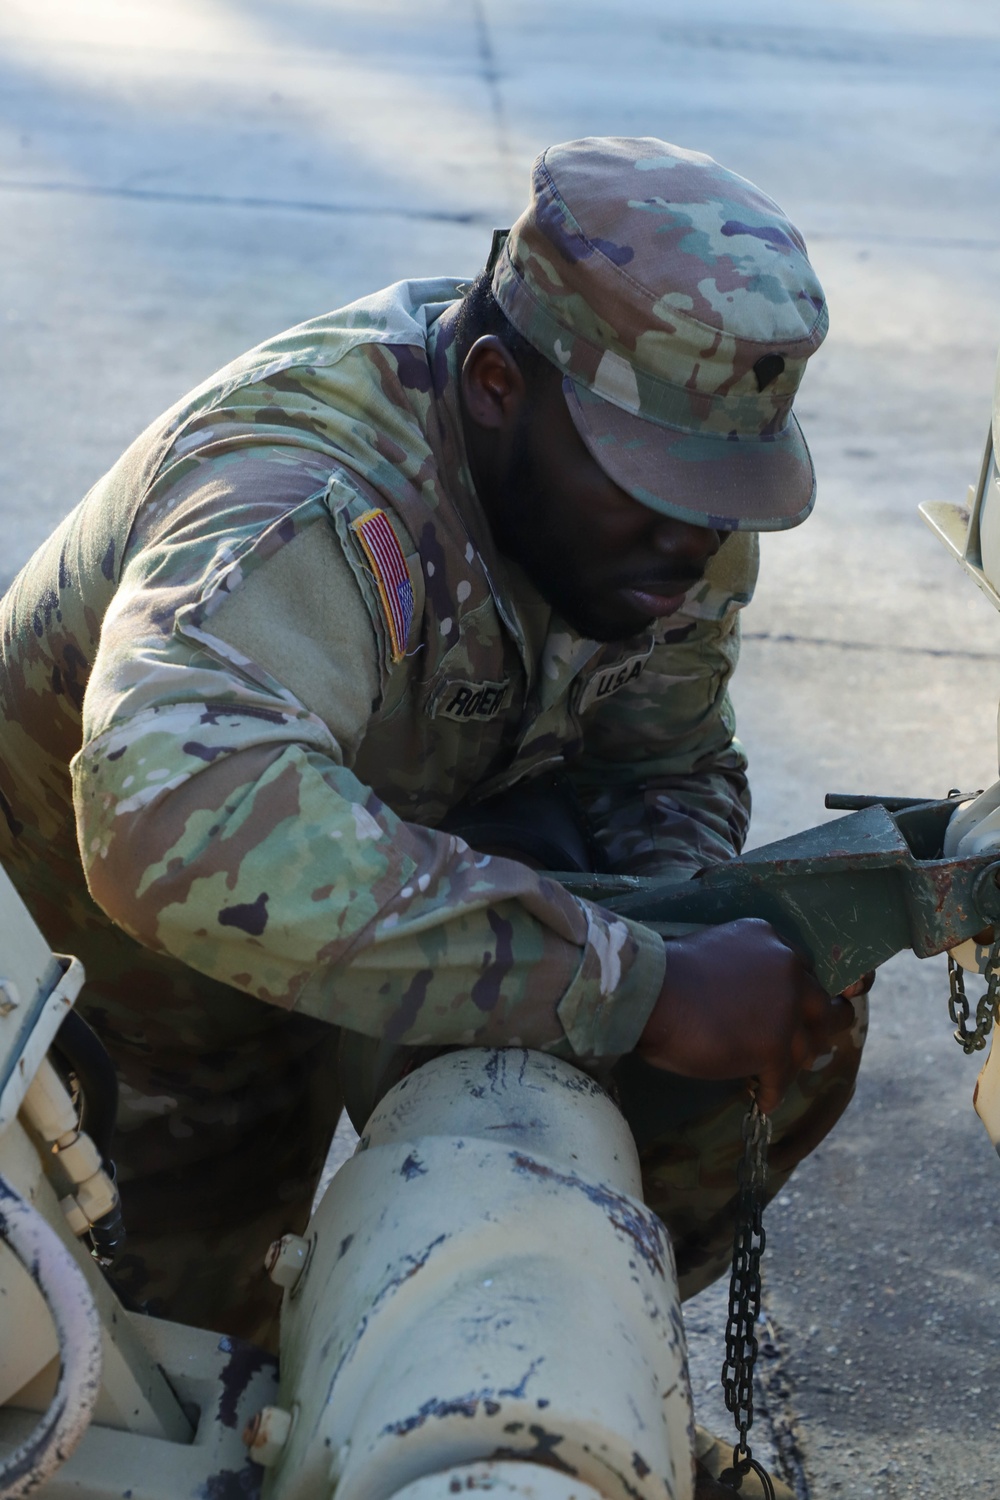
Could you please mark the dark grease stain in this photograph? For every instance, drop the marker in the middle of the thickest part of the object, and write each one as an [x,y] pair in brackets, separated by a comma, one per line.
[233,1484]
[242,1365]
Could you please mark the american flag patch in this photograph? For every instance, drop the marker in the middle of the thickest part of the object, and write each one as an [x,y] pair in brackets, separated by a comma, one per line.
[389,567]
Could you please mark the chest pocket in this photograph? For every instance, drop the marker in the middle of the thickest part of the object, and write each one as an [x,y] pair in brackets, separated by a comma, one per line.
[471,704]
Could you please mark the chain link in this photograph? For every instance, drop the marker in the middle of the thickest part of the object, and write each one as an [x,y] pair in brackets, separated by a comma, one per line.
[973,1038]
[744,1298]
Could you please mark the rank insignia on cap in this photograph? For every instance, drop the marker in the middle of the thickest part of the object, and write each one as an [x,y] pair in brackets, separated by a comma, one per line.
[388,564]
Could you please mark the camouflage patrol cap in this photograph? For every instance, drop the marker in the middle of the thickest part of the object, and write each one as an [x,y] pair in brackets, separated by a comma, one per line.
[680,304]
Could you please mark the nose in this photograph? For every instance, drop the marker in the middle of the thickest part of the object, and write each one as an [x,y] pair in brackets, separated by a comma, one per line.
[683,540]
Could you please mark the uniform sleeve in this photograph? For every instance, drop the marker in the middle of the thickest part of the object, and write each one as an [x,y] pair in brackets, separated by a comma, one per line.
[219,820]
[663,777]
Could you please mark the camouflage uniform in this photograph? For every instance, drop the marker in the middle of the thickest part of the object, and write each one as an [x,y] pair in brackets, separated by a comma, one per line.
[244,682]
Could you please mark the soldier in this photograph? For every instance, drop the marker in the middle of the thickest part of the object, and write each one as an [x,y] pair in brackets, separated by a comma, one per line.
[384,567]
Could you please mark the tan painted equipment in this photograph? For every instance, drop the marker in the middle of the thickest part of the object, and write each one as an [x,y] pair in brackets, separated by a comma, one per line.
[481,1301]
[485,1285]
[971,532]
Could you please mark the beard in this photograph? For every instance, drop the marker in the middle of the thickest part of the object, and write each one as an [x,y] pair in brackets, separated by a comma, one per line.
[528,531]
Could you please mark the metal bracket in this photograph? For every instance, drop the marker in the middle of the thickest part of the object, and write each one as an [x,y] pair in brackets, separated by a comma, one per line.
[848,894]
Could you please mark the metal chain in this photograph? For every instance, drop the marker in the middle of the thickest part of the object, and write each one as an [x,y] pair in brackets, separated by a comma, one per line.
[973,1038]
[744,1298]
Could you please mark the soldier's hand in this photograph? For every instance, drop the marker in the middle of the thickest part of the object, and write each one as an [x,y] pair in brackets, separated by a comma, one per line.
[738,1002]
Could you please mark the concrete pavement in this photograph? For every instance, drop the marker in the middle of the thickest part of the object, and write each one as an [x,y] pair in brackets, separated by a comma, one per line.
[180,178]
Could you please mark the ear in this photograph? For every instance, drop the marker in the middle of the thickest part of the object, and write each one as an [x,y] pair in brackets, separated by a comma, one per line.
[493,387]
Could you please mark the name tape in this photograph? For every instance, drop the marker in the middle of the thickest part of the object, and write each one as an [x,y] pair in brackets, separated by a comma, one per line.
[470,700]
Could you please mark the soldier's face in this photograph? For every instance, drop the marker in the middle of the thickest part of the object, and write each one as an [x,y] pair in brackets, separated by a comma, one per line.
[609,565]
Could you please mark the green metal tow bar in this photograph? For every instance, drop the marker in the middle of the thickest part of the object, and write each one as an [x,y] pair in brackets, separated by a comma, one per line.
[847,894]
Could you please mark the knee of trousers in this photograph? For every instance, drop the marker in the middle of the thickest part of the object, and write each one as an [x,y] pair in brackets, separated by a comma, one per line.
[691,1150]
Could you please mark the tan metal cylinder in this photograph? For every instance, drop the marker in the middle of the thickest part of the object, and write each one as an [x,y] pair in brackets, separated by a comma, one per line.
[487,1287]
[503,1479]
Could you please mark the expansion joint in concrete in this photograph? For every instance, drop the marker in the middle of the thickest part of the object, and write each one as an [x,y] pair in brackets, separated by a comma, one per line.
[491,77]
[782,638]
[910,241]
[773,1394]
[225,200]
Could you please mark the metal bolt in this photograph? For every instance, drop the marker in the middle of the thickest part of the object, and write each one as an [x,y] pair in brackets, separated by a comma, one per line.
[287,1259]
[267,1433]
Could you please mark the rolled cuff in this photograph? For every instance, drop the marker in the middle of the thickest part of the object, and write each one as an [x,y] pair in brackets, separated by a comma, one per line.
[609,1001]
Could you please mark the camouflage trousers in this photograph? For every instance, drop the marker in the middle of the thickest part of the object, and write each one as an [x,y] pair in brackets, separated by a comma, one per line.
[690,1142]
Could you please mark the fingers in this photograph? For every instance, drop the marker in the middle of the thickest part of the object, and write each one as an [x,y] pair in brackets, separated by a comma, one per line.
[839,1015]
[737,1001]
[768,1092]
[823,1019]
